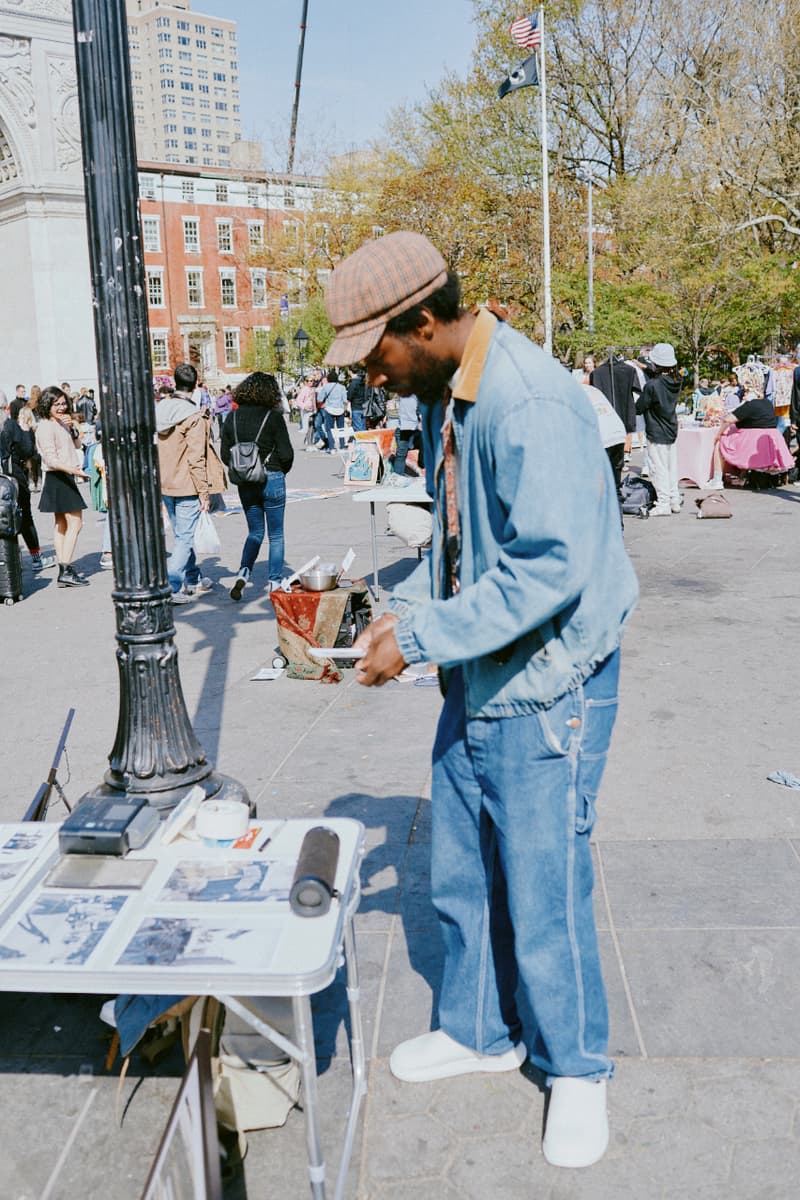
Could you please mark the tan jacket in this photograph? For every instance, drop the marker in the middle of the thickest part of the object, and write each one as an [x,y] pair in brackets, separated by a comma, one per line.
[187,461]
[56,446]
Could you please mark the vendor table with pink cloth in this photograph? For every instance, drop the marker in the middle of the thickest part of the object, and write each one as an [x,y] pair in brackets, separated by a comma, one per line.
[756,450]
[695,452]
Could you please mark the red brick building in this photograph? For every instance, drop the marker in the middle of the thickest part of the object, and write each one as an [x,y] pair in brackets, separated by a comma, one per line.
[213,291]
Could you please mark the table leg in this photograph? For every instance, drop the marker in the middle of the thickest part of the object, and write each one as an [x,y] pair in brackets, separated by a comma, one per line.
[357,1056]
[304,1032]
[374,545]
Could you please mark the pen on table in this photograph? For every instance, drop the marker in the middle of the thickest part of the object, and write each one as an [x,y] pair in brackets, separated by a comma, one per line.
[270,836]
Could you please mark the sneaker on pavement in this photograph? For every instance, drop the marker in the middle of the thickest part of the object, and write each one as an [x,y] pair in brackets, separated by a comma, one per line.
[181,598]
[676,508]
[204,584]
[42,562]
[436,1056]
[106,561]
[658,511]
[577,1123]
[713,485]
[240,583]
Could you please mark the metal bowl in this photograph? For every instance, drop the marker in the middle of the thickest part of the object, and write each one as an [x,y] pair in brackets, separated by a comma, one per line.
[319,581]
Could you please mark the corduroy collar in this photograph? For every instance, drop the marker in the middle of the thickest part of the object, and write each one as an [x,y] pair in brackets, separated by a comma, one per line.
[467,378]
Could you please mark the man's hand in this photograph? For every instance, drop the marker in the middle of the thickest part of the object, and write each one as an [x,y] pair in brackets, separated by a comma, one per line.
[382,661]
[205,505]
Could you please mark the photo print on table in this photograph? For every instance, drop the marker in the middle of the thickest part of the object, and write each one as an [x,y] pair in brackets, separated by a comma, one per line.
[228,882]
[61,929]
[162,941]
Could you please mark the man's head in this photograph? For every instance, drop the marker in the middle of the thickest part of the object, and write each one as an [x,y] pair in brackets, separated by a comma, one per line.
[394,306]
[185,377]
[20,391]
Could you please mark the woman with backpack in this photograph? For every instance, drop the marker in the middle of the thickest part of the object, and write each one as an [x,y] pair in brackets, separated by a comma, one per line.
[258,421]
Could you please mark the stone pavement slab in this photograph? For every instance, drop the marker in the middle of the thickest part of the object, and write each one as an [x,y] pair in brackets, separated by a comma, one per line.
[696,855]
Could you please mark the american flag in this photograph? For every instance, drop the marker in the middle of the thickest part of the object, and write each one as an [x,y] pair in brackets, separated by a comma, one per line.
[526,33]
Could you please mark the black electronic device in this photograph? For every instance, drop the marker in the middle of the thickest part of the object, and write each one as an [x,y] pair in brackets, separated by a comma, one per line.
[108,825]
[312,887]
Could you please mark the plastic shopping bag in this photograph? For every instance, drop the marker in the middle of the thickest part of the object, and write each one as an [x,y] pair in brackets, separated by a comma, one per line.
[206,541]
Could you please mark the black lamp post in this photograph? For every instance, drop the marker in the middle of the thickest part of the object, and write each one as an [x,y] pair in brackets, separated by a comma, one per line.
[279,345]
[301,340]
[156,754]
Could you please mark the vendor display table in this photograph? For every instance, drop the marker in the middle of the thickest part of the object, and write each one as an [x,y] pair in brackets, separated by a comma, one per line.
[166,938]
[695,454]
[414,493]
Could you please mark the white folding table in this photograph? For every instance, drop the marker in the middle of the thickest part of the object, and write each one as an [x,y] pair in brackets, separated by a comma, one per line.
[413,493]
[124,941]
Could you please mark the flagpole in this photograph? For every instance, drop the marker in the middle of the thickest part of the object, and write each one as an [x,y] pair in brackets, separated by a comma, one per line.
[548,299]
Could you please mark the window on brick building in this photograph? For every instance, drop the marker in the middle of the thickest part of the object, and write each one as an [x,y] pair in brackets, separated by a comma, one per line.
[191,235]
[151,234]
[159,351]
[258,280]
[252,194]
[155,288]
[221,192]
[187,190]
[194,287]
[255,234]
[231,347]
[225,237]
[147,187]
[227,286]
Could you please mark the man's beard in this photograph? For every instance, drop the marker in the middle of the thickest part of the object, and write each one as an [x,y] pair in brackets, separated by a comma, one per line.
[430,376]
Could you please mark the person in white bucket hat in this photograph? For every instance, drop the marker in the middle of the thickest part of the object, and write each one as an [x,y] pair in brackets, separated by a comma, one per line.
[658,405]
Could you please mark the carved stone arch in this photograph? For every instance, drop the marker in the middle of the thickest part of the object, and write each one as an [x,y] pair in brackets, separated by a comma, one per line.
[10,169]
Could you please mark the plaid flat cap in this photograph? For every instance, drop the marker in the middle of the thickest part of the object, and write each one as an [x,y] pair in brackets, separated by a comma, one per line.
[377,282]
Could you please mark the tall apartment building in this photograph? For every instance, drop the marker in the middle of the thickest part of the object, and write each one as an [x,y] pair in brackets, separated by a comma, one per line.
[185,78]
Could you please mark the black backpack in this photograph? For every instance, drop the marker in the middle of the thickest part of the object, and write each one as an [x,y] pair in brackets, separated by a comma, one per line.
[638,495]
[246,464]
[374,405]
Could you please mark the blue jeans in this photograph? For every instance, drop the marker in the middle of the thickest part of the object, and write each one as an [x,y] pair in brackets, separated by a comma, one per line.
[333,420]
[358,420]
[513,808]
[183,512]
[260,500]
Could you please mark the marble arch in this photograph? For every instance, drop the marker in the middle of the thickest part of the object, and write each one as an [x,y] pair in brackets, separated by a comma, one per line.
[45,304]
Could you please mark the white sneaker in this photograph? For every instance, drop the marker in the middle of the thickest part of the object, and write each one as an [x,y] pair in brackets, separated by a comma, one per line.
[713,485]
[658,511]
[676,508]
[436,1056]
[203,585]
[242,580]
[577,1123]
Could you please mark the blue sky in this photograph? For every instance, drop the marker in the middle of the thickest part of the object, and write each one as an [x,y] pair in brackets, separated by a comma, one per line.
[362,58]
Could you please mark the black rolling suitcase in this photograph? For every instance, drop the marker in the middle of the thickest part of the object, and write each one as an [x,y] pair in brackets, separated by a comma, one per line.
[10,560]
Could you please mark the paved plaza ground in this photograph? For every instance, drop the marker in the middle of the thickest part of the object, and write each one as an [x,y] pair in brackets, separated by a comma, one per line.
[697,866]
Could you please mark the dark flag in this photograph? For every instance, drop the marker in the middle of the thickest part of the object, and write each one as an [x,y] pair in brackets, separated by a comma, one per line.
[525,75]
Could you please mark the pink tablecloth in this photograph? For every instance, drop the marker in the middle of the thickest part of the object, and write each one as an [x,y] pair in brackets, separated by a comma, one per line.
[756,450]
[695,450]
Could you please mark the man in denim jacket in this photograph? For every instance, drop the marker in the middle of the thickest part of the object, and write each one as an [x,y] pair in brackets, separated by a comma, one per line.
[521,604]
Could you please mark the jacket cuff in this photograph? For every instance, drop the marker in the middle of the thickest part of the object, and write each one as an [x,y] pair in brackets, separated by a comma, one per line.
[407,643]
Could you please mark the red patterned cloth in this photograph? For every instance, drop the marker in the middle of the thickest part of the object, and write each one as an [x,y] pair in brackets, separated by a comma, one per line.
[312,619]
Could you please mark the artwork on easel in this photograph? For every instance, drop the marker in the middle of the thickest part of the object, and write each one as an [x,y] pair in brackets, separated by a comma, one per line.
[363,464]
[187,1166]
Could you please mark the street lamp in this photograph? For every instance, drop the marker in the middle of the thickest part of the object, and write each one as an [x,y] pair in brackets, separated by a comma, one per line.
[301,339]
[156,755]
[279,346]
[587,176]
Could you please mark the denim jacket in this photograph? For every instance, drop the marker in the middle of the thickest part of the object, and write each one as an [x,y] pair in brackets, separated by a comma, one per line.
[545,583]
